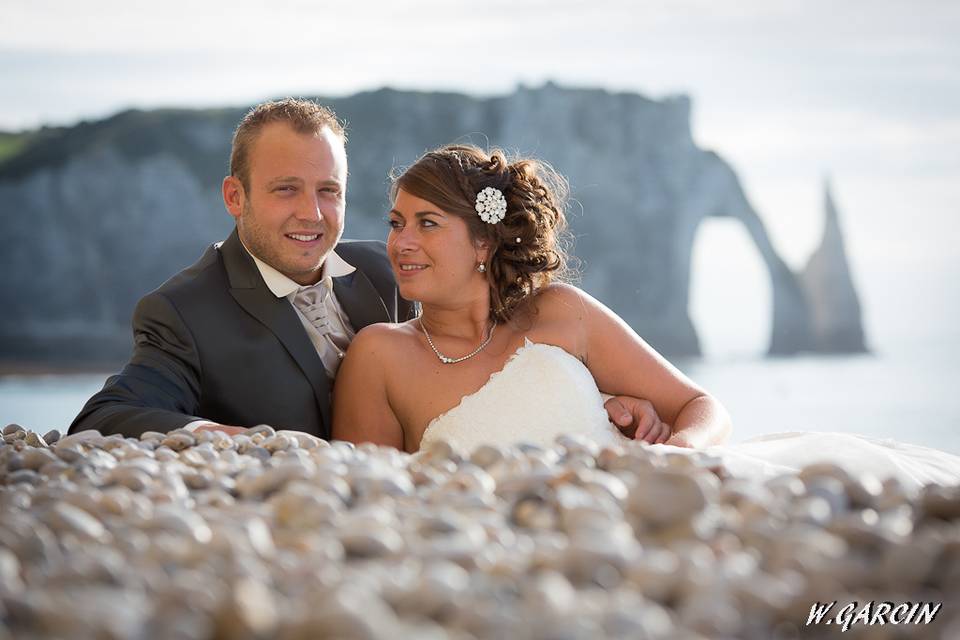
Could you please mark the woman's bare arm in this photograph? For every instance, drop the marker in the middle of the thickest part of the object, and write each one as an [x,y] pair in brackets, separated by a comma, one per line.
[622,363]
[361,407]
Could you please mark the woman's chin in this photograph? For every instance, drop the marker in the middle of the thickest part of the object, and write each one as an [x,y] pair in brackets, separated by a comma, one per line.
[411,293]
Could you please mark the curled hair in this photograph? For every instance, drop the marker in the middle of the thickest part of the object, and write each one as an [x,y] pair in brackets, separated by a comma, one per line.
[451,177]
[304,116]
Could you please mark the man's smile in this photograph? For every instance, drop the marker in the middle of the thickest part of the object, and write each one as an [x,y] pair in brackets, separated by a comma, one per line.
[304,237]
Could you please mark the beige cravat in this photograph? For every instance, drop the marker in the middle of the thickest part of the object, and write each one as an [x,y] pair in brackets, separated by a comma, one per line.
[328,329]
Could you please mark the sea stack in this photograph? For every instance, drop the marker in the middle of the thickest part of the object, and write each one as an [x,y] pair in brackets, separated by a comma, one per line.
[835,314]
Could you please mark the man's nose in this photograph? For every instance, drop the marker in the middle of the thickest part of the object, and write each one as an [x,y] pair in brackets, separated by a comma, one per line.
[308,208]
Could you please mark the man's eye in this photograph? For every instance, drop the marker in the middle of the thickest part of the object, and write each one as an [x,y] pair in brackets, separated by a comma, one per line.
[285,188]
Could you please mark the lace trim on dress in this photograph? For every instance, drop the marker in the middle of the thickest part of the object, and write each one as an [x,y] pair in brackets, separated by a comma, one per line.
[451,411]
[541,391]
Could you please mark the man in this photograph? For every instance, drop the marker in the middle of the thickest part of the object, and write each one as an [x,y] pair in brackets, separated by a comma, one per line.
[253,332]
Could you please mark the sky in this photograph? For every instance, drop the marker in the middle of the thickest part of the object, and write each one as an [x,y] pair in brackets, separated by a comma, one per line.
[867,93]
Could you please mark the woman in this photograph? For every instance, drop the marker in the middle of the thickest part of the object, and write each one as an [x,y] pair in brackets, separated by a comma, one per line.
[502,350]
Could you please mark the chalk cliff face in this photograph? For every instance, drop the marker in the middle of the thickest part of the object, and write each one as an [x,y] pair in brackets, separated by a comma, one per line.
[96,215]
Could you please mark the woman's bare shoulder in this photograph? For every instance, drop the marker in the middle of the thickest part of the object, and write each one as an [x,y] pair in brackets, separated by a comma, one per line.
[384,337]
[560,300]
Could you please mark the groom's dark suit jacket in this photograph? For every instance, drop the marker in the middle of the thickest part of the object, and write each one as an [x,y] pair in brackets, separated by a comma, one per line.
[214,343]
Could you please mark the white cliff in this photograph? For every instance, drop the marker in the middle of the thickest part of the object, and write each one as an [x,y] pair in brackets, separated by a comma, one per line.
[96,215]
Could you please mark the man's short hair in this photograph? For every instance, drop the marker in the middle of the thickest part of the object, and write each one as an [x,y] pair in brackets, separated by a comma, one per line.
[304,116]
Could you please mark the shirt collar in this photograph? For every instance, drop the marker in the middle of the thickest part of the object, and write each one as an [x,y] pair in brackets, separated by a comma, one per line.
[281,286]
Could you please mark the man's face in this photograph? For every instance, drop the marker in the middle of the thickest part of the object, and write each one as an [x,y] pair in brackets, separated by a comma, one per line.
[292,214]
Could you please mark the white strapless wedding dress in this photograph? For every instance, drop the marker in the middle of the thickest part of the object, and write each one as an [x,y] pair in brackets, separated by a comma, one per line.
[543,392]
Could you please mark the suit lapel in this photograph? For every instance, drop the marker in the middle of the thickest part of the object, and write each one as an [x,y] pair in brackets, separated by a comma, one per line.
[277,314]
[360,299]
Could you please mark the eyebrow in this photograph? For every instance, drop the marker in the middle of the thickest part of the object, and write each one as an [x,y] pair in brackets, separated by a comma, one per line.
[287,179]
[418,214]
[284,179]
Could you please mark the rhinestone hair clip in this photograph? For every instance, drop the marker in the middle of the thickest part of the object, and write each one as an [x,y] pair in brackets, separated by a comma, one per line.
[491,205]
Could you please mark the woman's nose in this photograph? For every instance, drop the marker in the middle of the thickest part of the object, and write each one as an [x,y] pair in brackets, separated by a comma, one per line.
[404,240]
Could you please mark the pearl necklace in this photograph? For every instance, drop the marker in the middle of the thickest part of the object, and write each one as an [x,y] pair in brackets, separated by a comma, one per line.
[448,360]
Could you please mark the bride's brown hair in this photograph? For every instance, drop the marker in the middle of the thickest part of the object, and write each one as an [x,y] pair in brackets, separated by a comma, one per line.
[526,248]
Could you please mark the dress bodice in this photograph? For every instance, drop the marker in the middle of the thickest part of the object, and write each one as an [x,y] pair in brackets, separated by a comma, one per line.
[540,393]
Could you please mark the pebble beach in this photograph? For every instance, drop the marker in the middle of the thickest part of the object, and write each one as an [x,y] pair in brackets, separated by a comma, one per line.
[283,535]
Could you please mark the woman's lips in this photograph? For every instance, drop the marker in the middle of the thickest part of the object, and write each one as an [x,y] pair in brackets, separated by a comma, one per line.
[406,270]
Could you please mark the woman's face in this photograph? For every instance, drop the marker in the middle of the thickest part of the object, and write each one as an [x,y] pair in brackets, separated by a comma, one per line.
[433,257]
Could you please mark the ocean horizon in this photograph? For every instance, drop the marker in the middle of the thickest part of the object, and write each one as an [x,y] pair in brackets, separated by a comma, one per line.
[906,398]
[904,388]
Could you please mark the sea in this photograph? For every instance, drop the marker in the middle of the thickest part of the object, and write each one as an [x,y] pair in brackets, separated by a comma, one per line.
[911,399]
[905,387]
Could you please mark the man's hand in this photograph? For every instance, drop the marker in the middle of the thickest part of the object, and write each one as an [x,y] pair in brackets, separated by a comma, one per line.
[637,419]
[213,426]
[680,439]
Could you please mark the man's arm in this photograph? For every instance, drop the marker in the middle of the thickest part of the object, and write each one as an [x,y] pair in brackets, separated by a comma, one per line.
[158,390]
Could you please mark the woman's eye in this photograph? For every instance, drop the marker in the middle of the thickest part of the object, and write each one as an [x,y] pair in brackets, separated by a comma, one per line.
[394,224]
[428,223]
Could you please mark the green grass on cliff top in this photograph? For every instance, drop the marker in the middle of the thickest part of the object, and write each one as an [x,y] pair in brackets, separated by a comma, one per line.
[11,144]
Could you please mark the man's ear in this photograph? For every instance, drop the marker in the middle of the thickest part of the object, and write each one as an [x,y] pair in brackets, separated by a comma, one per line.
[233,196]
